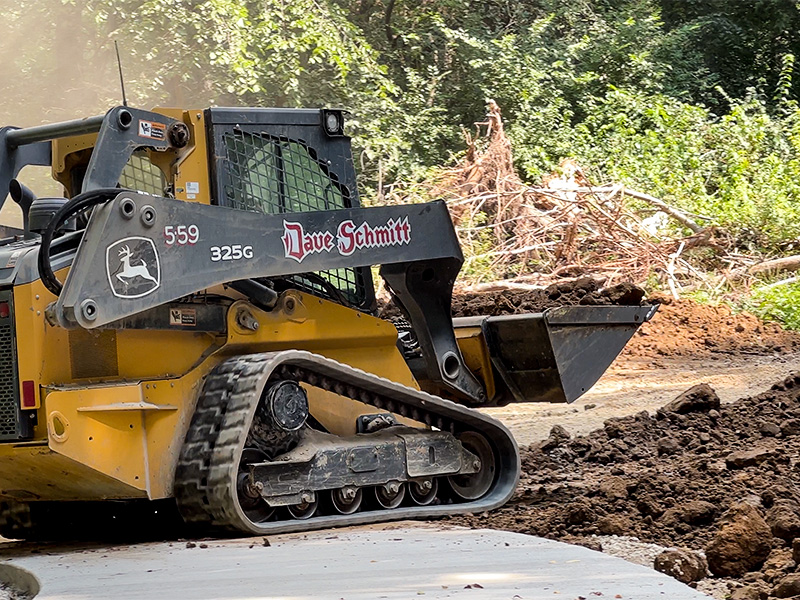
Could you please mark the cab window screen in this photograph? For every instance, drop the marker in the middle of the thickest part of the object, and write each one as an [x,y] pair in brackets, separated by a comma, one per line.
[143,176]
[274,175]
[277,175]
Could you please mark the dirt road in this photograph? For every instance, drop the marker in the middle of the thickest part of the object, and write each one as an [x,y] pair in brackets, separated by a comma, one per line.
[712,472]
[633,384]
[684,344]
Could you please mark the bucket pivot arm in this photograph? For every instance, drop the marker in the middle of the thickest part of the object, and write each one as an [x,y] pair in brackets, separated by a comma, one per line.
[140,252]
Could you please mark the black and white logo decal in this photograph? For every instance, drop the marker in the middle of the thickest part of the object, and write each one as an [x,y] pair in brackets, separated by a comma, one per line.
[133,268]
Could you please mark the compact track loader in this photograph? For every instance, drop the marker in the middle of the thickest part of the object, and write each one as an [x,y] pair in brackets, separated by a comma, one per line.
[194,323]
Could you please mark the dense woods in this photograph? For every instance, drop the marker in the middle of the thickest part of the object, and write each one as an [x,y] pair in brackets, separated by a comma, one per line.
[694,102]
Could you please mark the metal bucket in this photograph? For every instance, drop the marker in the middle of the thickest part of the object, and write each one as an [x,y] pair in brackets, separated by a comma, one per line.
[557,355]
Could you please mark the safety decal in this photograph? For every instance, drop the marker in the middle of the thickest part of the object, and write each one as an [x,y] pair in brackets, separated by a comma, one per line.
[185,317]
[133,267]
[298,243]
[192,189]
[152,130]
[12,260]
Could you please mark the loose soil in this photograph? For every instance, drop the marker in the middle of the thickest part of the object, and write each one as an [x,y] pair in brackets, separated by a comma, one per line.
[659,474]
[667,477]
[683,327]
[685,343]
[584,291]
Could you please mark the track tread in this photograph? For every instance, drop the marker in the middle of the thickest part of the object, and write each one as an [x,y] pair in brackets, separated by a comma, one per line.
[205,481]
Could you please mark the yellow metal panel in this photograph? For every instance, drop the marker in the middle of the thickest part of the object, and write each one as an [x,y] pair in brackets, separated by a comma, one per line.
[33,472]
[130,432]
[146,354]
[42,350]
[65,157]
[166,430]
[111,442]
[473,348]
[192,166]
[306,322]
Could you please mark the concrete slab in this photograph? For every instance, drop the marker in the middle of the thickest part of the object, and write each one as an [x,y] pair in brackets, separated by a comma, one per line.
[395,562]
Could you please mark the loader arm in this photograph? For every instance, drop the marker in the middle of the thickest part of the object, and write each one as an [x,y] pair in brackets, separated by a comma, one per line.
[140,252]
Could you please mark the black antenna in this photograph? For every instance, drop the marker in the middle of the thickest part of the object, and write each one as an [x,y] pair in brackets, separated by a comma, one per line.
[121,80]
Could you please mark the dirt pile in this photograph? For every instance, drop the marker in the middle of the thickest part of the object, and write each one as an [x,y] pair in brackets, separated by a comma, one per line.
[679,328]
[723,480]
[584,291]
[686,328]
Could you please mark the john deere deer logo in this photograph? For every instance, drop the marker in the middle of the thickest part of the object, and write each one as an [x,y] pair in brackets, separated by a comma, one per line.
[133,267]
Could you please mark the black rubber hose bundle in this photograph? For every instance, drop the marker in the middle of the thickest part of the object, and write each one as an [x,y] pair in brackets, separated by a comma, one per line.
[75,205]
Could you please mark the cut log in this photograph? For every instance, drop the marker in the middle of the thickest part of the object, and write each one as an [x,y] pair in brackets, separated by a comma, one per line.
[786,263]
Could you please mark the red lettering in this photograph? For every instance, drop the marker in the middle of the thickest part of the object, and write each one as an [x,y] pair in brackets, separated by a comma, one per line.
[298,244]
[347,240]
[292,241]
[406,237]
[369,236]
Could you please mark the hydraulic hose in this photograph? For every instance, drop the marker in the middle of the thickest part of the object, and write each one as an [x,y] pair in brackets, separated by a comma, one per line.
[75,205]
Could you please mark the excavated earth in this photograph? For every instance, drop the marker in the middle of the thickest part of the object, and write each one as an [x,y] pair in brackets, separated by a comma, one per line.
[718,480]
[585,291]
[681,327]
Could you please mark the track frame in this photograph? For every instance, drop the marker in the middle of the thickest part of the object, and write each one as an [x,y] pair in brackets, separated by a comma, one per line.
[208,467]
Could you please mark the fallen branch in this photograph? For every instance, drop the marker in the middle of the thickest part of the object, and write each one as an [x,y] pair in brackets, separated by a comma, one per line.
[786,263]
[780,283]
[497,286]
[673,212]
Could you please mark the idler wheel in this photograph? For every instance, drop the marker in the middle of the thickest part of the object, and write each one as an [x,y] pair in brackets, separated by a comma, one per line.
[475,485]
[254,506]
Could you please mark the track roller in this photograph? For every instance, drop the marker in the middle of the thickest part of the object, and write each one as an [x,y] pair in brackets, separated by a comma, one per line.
[390,495]
[305,509]
[423,492]
[346,500]
[249,494]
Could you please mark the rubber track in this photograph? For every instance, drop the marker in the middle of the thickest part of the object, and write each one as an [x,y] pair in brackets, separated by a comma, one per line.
[231,387]
[15,521]
[205,481]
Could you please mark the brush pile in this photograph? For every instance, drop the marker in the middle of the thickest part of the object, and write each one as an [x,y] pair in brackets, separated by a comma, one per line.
[518,236]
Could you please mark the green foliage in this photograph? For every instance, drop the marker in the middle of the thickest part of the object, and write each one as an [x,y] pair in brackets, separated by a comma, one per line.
[694,102]
[778,303]
[741,170]
[478,248]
